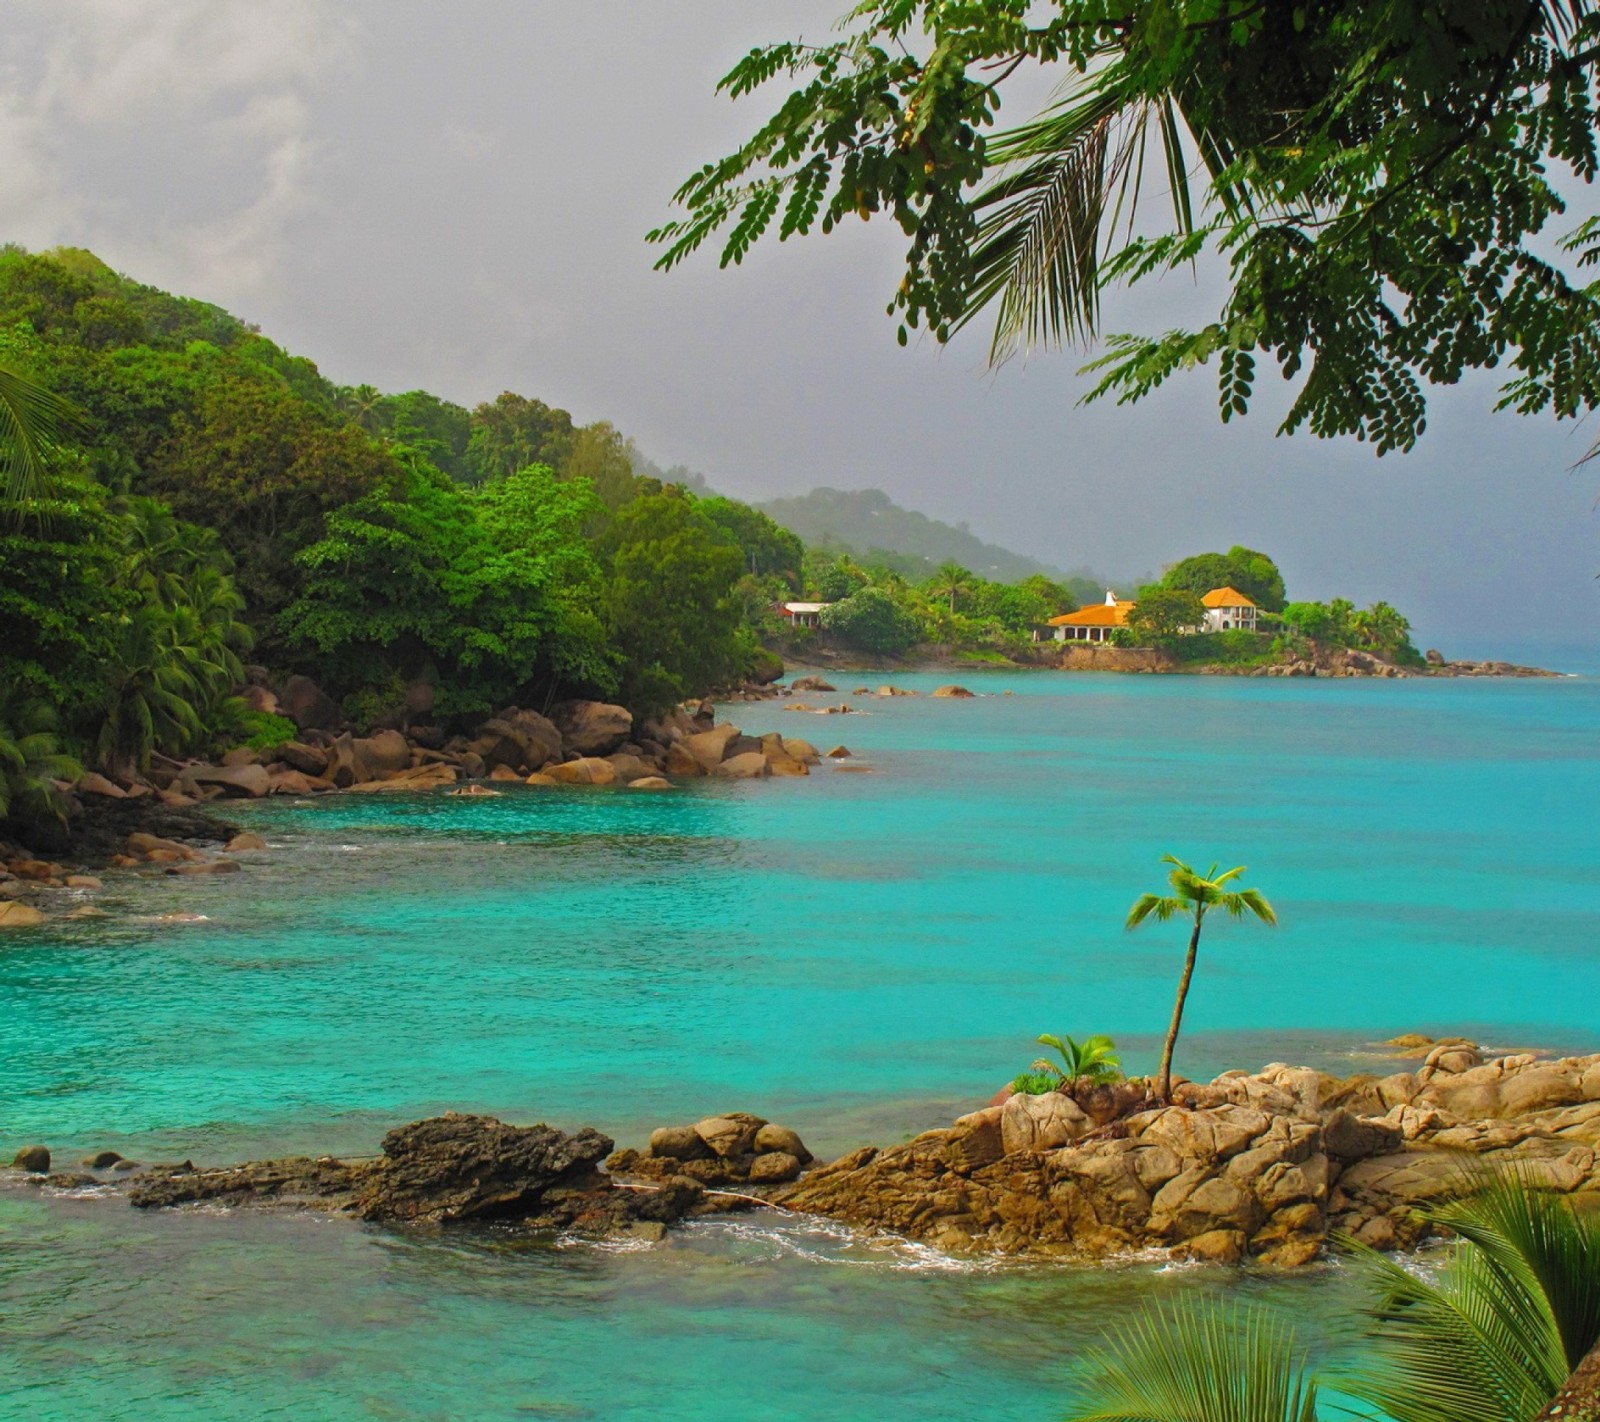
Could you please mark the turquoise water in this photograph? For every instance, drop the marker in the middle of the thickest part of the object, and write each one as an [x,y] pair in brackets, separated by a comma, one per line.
[858,955]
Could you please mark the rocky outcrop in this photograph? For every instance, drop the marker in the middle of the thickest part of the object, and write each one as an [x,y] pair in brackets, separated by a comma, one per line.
[1266,1166]
[449,1169]
[592,727]
[732,1150]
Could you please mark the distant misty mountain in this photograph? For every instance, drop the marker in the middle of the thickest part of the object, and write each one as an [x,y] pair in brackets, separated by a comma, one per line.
[870,526]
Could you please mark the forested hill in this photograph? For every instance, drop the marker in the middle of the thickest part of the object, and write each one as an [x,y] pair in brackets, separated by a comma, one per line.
[870,526]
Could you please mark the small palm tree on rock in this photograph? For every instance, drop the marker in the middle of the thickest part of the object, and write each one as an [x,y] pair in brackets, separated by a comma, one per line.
[1193,896]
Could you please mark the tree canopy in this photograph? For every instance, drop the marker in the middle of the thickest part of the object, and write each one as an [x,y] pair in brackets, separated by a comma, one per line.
[1377,183]
[1243,569]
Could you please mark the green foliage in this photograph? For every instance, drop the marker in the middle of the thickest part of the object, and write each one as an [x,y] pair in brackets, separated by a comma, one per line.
[1165,612]
[1209,1362]
[833,576]
[492,589]
[1094,1060]
[1495,1334]
[263,731]
[1378,629]
[672,602]
[1254,574]
[31,758]
[1193,896]
[769,549]
[1233,648]
[1035,1083]
[1381,205]
[515,432]
[1490,1339]
[870,620]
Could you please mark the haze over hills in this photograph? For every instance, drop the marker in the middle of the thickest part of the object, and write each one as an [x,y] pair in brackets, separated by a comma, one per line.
[870,526]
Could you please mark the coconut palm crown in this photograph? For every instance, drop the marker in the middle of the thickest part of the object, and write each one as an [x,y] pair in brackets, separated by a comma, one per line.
[1193,896]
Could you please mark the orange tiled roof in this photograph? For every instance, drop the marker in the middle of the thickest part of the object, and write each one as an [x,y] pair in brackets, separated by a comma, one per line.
[1226,597]
[1098,615]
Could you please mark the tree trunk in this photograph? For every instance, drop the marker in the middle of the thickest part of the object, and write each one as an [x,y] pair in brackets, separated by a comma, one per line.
[1164,1083]
[1579,1400]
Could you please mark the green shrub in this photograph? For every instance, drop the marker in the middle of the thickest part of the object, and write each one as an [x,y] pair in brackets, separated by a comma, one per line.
[1035,1083]
[261,730]
[1093,1060]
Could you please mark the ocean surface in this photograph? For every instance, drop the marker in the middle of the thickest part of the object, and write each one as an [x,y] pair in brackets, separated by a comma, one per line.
[860,955]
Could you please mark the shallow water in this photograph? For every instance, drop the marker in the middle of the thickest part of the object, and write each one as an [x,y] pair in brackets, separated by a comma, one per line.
[858,955]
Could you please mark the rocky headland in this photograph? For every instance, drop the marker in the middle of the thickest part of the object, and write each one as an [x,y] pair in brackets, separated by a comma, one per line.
[1266,1166]
[174,815]
[1270,1166]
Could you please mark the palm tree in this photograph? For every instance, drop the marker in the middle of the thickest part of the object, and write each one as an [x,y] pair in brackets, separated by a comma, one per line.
[1210,1362]
[1491,1340]
[1193,895]
[1494,1337]
[31,758]
[950,580]
[32,421]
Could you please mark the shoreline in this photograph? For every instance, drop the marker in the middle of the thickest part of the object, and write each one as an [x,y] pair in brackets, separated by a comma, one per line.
[1267,1168]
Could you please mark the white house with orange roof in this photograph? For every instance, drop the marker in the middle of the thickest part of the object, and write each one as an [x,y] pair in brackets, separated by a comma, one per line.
[1228,610]
[1095,623]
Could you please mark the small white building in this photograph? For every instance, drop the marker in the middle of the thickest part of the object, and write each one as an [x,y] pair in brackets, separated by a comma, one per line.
[804,614]
[1228,610]
[1090,624]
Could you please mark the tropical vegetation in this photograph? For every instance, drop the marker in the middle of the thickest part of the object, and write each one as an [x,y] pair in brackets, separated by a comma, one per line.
[1193,896]
[1490,1338]
[1378,212]
[1092,1062]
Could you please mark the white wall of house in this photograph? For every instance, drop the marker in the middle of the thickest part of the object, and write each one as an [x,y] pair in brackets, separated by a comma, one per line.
[1229,619]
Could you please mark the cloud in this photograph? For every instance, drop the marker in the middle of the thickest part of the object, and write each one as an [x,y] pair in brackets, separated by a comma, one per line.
[176,137]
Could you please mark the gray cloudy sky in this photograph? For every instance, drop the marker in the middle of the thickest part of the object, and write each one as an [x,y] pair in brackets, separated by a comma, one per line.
[454,197]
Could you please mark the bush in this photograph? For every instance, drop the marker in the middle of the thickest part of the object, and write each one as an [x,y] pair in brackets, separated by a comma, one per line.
[871,620]
[1034,1083]
[261,730]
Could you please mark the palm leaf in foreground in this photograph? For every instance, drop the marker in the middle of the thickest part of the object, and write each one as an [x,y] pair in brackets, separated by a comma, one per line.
[1204,1363]
[32,420]
[1508,1319]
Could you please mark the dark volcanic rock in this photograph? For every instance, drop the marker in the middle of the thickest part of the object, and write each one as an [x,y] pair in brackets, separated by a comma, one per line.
[447,1169]
[457,1167]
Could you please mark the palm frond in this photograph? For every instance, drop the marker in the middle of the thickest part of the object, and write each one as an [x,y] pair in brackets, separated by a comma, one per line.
[1204,1363]
[1158,906]
[1511,1315]
[32,421]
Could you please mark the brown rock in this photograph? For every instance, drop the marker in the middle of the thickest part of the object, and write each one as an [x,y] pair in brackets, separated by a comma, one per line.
[773,1168]
[650,782]
[293,782]
[710,748]
[811,683]
[241,755]
[629,767]
[587,770]
[803,751]
[82,881]
[305,703]
[771,1138]
[731,1135]
[952,691]
[751,765]
[213,866]
[678,1143]
[540,778]
[90,783]
[976,1139]
[592,727]
[682,763]
[839,753]
[786,765]
[250,781]
[1041,1122]
[15,914]
[1347,1137]
[308,760]
[382,754]
[34,1159]
[246,841]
